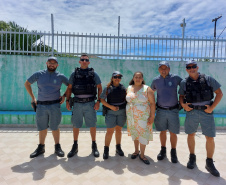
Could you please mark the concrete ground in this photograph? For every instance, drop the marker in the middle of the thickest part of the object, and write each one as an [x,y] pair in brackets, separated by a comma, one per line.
[17,168]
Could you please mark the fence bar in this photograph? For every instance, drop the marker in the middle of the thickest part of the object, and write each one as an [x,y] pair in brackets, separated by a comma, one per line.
[52,28]
[6,41]
[44,44]
[40,41]
[112,46]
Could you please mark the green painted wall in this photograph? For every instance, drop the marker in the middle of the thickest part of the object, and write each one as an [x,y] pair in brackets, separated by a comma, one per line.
[14,70]
[12,118]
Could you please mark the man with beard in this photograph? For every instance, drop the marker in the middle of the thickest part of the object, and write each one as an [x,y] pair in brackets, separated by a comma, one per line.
[48,113]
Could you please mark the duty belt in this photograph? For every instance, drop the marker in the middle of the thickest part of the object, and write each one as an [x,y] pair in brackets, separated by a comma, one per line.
[122,106]
[48,102]
[83,100]
[198,107]
[169,108]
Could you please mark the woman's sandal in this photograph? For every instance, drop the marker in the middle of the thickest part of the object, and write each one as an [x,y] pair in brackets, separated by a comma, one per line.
[144,160]
[134,155]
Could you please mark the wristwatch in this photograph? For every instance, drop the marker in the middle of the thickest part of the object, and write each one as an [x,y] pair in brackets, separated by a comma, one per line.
[98,101]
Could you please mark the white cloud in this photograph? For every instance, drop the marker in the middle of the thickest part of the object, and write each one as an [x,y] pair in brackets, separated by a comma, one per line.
[138,17]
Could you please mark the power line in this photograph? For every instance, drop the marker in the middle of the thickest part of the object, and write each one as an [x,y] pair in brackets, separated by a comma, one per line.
[221,32]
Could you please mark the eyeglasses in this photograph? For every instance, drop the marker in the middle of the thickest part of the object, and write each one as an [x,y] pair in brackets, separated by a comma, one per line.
[193,67]
[54,64]
[87,60]
[115,77]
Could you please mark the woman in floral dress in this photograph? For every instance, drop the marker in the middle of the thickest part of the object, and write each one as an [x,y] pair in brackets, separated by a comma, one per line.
[140,112]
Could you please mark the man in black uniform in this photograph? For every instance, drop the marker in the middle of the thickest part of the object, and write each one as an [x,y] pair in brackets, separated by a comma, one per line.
[196,95]
[84,83]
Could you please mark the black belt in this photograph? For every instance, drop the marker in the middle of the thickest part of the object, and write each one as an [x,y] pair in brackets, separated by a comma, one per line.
[198,107]
[48,102]
[83,100]
[122,106]
[169,108]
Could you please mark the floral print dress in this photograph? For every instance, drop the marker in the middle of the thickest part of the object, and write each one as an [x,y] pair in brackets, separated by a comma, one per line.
[138,111]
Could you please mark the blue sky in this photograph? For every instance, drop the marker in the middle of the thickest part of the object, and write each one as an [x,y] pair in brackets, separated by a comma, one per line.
[138,17]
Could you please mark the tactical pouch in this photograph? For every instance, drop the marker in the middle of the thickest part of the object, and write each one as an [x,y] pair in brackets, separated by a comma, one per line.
[104,110]
[71,102]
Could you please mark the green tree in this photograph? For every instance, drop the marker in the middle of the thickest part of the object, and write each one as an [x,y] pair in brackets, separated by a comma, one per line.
[204,60]
[17,41]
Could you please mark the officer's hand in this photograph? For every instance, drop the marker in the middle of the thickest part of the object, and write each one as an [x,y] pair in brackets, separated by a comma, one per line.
[150,120]
[68,105]
[208,109]
[97,105]
[62,99]
[33,100]
[186,107]
[114,108]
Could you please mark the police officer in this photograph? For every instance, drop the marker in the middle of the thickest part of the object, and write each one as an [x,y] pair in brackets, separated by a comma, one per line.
[48,113]
[167,114]
[115,108]
[196,95]
[83,83]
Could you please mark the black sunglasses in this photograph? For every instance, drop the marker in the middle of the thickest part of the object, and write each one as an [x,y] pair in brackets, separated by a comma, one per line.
[87,60]
[115,77]
[193,67]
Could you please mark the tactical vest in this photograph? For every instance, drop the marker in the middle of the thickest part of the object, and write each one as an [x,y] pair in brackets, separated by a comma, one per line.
[198,91]
[83,82]
[116,94]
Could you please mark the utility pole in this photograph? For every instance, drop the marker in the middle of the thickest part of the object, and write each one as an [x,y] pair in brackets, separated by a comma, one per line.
[183,24]
[215,25]
[52,28]
[118,34]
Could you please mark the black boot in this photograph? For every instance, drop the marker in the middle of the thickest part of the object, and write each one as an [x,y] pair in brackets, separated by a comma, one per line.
[73,151]
[192,161]
[95,150]
[106,152]
[58,151]
[174,155]
[40,150]
[162,153]
[211,168]
[119,150]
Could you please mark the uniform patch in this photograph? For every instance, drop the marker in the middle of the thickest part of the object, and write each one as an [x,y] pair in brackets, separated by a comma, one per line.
[54,81]
[170,83]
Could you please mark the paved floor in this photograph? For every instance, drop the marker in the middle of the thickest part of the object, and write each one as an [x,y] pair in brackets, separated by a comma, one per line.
[17,168]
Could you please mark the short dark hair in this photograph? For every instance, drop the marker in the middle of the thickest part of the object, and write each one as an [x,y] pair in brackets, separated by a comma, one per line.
[84,55]
[132,81]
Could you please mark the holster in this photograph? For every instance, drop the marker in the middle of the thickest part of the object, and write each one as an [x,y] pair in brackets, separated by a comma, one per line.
[71,102]
[104,110]
[33,104]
